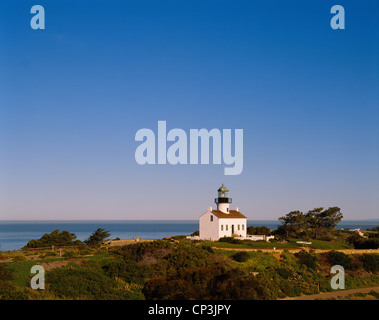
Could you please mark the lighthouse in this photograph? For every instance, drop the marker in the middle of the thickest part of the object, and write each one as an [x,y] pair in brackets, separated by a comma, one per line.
[222,222]
[223,201]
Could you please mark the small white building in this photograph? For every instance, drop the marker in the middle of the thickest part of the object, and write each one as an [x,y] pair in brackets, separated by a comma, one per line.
[222,222]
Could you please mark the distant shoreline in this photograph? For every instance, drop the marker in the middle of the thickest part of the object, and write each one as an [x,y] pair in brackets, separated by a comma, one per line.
[163,220]
[15,234]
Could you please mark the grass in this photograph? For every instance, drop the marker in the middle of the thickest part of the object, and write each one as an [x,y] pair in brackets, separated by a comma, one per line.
[250,244]
[257,262]
[21,271]
[352,282]
[321,244]
[291,244]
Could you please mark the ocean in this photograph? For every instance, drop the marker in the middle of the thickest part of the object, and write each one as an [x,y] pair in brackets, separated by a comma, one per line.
[16,234]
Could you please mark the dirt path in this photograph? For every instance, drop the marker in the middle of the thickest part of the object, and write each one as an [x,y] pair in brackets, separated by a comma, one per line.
[293,250]
[60,263]
[333,295]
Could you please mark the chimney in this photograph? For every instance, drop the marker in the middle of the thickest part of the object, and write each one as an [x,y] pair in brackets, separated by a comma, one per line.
[210,208]
[236,209]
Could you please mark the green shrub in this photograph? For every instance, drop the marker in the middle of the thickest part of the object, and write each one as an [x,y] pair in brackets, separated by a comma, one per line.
[68,254]
[230,240]
[9,291]
[370,262]
[308,259]
[19,257]
[258,230]
[207,248]
[284,273]
[241,256]
[129,271]
[5,274]
[49,254]
[361,243]
[188,256]
[206,283]
[374,293]
[75,283]
[141,251]
[339,258]
[85,252]
[290,289]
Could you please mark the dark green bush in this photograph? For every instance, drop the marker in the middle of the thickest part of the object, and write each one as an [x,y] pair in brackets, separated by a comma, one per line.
[9,291]
[241,256]
[81,282]
[5,274]
[68,254]
[370,262]
[258,230]
[85,252]
[155,250]
[207,248]
[206,283]
[47,254]
[19,257]
[129,271]
[362,243]
[308,259]
[284,273]
[188,256]
[290,289]
[339,258]
[230,240]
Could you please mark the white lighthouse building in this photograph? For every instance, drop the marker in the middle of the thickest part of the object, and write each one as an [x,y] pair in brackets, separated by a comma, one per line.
[222,222]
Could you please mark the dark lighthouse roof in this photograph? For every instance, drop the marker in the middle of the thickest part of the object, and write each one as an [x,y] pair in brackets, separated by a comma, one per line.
[223,188]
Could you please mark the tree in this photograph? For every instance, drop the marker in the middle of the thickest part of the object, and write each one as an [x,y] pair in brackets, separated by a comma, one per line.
[314,220]
[258,230]
[319,218]
[97,237]
[292,223]
[331,217]
[55,238]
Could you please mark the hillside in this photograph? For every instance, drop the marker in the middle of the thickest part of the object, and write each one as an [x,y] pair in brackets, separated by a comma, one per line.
[164,269]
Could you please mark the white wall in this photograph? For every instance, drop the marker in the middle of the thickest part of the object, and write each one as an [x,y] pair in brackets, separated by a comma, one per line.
[229,222]
[255,237]
[208,229]
[224,207]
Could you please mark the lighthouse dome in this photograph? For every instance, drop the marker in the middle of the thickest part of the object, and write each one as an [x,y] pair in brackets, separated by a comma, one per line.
[223,189]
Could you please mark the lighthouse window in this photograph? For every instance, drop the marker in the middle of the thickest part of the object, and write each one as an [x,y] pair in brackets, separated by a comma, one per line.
[227,209]
[222,227]
[238,227]
[211,218]
[226,227]
[243,227]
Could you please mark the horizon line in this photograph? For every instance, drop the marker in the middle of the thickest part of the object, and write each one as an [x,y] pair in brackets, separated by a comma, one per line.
[366,219]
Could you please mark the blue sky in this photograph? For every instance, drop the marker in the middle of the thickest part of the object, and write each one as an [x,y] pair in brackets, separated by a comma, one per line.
[73,96]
